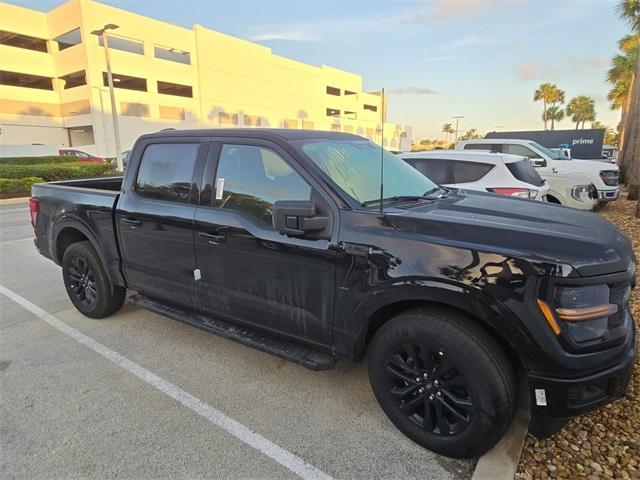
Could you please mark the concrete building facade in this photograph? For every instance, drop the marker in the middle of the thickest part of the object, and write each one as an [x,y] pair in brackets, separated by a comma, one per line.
[53,86]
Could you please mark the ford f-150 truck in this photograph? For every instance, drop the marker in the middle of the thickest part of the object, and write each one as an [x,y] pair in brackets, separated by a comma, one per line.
[286,241]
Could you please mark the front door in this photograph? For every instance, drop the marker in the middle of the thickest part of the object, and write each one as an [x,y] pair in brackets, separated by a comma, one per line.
[249,272]
[155,221]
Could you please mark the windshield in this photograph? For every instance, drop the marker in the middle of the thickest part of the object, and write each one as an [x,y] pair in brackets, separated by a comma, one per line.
[549,153]
[354,165]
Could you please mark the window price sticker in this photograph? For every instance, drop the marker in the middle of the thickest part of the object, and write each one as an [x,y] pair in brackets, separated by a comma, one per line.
[219,188]
[541,397]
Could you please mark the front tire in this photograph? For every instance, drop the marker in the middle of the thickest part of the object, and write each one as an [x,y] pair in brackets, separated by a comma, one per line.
[87,283]
[443,381]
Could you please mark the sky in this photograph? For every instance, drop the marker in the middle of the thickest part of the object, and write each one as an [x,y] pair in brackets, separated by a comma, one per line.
[482,59]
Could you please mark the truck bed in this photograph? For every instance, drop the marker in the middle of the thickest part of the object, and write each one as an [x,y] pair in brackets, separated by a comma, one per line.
[83,205]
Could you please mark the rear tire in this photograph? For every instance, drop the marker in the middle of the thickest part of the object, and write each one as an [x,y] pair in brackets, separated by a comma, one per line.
[87,283]
[443,381]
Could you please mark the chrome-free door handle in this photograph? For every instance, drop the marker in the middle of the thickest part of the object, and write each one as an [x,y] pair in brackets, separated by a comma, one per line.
[132,222]
[213,238]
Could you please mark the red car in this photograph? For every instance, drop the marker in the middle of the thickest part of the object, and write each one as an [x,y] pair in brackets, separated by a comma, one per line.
[82,156]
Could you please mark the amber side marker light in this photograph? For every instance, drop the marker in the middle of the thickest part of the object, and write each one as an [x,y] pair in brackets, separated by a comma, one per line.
[548,315]
[576,314]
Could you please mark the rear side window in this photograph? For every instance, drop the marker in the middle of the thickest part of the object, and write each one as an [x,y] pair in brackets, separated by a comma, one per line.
[166,171]
[490,147]
[466,172]
[434,168]
[525,172]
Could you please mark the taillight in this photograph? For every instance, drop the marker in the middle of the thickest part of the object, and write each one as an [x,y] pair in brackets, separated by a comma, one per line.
[515,192]
[34,208]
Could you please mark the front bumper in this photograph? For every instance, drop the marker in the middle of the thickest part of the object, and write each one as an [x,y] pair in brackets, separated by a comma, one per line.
[608,195]
[562,397]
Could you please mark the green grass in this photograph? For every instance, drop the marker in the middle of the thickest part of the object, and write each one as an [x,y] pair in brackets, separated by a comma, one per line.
[37,160]
[51,172]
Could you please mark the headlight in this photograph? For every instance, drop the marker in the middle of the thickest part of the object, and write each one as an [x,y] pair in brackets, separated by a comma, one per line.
[609,177]
[585,311]
[580,192]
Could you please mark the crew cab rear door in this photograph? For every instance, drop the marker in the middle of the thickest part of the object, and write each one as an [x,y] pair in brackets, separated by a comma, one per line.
[154,218]
[251,273]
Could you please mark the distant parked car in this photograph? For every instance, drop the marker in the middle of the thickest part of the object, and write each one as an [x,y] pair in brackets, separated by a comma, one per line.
[504,174]
[82,156]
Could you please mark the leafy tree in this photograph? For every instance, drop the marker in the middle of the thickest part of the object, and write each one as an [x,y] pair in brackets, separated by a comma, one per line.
[626,95]
[581,109]
[555,114]
[447,129]
[470,135]
[548,94]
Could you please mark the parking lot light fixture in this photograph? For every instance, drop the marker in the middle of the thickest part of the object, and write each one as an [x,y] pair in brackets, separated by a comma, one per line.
[102,32]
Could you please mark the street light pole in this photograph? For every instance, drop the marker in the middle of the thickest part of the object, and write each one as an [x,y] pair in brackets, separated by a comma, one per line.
[458,117]
[114,113]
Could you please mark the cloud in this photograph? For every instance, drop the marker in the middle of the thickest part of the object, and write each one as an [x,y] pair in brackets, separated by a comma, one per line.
[286,35]
[544,71]
[537,71]
[413,90]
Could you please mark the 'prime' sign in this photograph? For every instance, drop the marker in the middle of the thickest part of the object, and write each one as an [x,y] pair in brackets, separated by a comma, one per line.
[583,143]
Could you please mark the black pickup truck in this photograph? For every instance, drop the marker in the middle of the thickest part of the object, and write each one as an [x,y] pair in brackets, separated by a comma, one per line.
[284,241]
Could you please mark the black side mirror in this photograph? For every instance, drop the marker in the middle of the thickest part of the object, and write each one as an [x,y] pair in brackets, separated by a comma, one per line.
[296,218]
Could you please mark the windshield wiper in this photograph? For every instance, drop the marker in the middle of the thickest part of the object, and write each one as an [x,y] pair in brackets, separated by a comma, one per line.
[397,198]
[429,193]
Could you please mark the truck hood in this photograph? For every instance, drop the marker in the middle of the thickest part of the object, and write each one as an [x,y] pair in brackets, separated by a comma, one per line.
[589,167]
[519,228]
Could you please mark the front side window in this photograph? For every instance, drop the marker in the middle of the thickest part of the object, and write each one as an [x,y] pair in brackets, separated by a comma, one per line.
[251,179]
[166,170]
[549,153]
[69,39]
[466,172]
[354,166]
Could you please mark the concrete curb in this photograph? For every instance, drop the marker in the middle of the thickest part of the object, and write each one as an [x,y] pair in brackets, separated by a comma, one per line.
[13,201]
[501,462]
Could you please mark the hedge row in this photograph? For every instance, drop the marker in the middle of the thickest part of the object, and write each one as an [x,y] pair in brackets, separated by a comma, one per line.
[52,172]
[18,186]
[37,160]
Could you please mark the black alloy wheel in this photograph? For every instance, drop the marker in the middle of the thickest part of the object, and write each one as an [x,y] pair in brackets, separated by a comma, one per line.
[82,281]
[429,389]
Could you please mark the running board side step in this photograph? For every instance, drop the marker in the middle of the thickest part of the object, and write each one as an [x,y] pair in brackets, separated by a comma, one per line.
[293,352]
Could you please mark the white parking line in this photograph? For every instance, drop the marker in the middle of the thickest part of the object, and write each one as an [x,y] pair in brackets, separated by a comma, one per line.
[215,416]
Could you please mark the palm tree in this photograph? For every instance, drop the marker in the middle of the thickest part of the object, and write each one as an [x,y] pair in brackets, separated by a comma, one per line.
[581,109]
[548,93]
[447,129]
[555,114]
[629,156]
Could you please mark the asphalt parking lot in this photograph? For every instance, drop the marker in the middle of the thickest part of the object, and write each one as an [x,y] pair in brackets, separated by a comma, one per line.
[72,408]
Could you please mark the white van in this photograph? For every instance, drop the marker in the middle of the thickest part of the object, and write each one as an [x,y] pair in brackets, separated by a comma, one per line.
[503,174]
[549,163]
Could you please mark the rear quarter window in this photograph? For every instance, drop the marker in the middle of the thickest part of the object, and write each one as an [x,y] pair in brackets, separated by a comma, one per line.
[525,172]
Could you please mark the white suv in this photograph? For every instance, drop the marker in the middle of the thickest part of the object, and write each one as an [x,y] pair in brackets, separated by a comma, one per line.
[549,163]
[504,174]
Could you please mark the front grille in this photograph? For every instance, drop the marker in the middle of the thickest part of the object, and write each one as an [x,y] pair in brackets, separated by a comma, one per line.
[609,177]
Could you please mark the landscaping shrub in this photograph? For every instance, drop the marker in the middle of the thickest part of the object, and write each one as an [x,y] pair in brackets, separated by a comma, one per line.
[18,186]
[37,160]
[50,172]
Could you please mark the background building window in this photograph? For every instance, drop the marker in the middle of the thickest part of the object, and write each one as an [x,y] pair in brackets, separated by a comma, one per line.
[132,109]
[23,41]
[252,121]
[69,39]
[372,108]
[168,88]
[333,91]
[349,92]
[172,54]
[227,118]
[75,79]
[83,135]
[125,81]
[26,80]
[333,112]
[124,44]
[172,113]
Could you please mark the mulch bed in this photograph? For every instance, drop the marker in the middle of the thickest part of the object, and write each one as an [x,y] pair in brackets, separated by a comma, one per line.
[604,443]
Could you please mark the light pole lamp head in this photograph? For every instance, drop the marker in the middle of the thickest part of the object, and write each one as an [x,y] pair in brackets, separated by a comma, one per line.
[108,26]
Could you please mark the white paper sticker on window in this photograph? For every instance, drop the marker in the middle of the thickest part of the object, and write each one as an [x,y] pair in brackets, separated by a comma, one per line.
[541,397]
[219,188]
